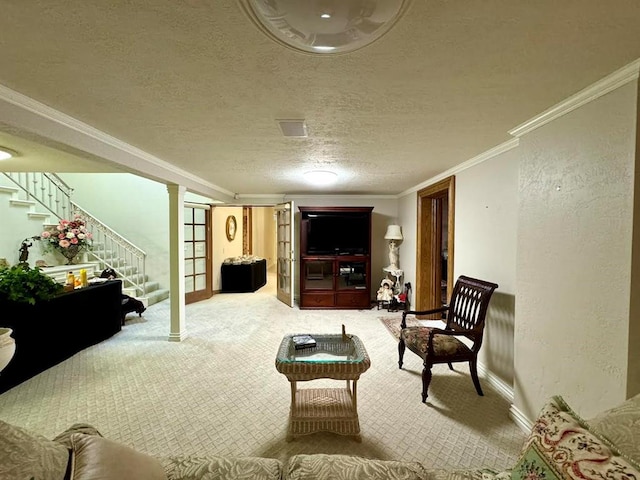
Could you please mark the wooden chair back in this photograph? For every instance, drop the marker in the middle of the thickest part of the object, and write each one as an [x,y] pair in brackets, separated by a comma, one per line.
[468,308]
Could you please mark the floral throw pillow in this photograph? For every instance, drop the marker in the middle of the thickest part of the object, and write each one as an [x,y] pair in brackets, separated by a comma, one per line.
[561,447]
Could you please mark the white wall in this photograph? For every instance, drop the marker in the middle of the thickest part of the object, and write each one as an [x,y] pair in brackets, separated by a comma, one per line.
[551,222]
[135,207]
[574,267]
[17,225]
[486,199]
[486,211]
[408,219]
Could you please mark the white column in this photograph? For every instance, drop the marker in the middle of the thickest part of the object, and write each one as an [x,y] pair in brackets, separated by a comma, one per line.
[176,262]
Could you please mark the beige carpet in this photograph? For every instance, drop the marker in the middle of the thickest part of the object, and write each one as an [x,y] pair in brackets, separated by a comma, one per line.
[218,391]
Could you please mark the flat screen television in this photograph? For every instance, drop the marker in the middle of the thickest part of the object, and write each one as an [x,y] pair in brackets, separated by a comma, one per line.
[337,233]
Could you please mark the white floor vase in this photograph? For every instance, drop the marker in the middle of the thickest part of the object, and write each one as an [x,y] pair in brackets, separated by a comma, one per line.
[7,347]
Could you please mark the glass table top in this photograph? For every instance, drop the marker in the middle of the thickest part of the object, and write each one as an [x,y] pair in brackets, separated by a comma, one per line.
[333,356]
[329,348]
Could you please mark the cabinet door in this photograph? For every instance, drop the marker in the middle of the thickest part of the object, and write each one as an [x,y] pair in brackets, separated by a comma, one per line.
[317,274]
[352,275]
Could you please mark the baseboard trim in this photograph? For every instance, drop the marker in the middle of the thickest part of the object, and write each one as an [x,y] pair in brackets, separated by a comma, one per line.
[520,419]
[503,388]
[506,391]
[177,337]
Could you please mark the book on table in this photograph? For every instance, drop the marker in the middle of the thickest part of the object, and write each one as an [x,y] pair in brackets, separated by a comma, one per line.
[303,341]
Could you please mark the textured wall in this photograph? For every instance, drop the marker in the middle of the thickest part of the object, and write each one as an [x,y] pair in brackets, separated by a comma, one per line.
[574,256]
[485,247]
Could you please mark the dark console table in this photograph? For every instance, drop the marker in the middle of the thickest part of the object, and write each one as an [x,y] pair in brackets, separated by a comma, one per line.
[244,277]
[49,332]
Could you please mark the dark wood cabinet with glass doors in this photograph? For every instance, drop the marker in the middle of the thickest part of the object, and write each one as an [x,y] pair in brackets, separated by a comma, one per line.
[335,272]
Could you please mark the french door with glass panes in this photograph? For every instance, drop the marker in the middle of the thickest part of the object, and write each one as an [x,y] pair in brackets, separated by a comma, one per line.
[197,252]
[285,245]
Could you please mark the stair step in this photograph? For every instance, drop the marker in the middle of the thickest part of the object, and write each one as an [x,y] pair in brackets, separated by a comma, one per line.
[21,203]
[37,215]
[131,291]
[9,190]
[158,296]
[151,287]
[128,271]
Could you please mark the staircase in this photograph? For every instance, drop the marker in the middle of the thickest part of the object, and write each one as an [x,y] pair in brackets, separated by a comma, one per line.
[49,194]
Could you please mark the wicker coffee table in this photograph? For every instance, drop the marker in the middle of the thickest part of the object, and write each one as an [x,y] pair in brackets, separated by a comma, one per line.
[338,357]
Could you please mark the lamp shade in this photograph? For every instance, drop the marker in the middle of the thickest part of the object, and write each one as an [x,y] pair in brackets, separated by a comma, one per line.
[393,233]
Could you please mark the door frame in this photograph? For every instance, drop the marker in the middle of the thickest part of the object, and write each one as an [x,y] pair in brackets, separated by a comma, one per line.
[429,243]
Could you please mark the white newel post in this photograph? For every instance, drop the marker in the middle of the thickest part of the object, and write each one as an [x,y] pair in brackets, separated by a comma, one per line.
[176,259]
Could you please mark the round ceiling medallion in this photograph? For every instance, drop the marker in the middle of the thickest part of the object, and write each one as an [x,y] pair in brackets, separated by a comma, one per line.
[325,26]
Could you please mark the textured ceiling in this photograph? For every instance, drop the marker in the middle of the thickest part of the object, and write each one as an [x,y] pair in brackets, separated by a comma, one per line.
[197,85]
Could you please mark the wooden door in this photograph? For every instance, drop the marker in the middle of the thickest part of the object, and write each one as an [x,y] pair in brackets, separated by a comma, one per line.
[197,252]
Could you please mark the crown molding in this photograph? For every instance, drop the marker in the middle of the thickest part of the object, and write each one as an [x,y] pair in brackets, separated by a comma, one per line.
[609,83]
[135,160]
[483,157]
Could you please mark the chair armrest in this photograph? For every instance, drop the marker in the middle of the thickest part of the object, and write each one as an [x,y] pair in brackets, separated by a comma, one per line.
[403,324]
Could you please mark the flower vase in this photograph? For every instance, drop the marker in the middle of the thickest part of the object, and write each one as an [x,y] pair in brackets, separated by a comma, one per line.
[7,347]
[70,253]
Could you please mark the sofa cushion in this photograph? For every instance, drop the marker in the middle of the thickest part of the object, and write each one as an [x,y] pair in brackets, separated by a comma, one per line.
[97,458]
[336,467]
[561,446]
[26,455]
[222,468]
[621,426]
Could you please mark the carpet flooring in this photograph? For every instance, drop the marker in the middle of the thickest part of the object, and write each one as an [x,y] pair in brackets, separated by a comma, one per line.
[218,393]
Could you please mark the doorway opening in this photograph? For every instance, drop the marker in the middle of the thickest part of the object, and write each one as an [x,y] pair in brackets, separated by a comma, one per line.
[434,262]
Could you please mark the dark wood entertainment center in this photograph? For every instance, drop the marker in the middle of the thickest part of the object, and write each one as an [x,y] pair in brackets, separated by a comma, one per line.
[335,266]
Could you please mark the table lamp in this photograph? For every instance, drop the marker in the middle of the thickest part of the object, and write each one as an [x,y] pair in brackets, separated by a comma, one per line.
[393,233]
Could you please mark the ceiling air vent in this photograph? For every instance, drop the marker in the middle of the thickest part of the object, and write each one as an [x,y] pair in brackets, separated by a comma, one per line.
[293,128]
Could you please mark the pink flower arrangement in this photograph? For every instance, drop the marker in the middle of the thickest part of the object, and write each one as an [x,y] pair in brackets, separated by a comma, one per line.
[68,233]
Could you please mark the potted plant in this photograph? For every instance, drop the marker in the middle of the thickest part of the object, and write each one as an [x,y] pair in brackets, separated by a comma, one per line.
[22,284]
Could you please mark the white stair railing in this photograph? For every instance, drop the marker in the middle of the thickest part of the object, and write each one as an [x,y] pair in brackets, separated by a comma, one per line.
[114,251]
[47,189]
[111,249]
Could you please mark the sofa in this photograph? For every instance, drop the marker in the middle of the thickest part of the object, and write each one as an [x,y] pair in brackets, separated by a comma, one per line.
[561,445]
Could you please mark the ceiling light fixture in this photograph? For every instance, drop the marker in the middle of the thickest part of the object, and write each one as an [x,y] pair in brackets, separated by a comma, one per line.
[324,26]
[5,153]
[320,177]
